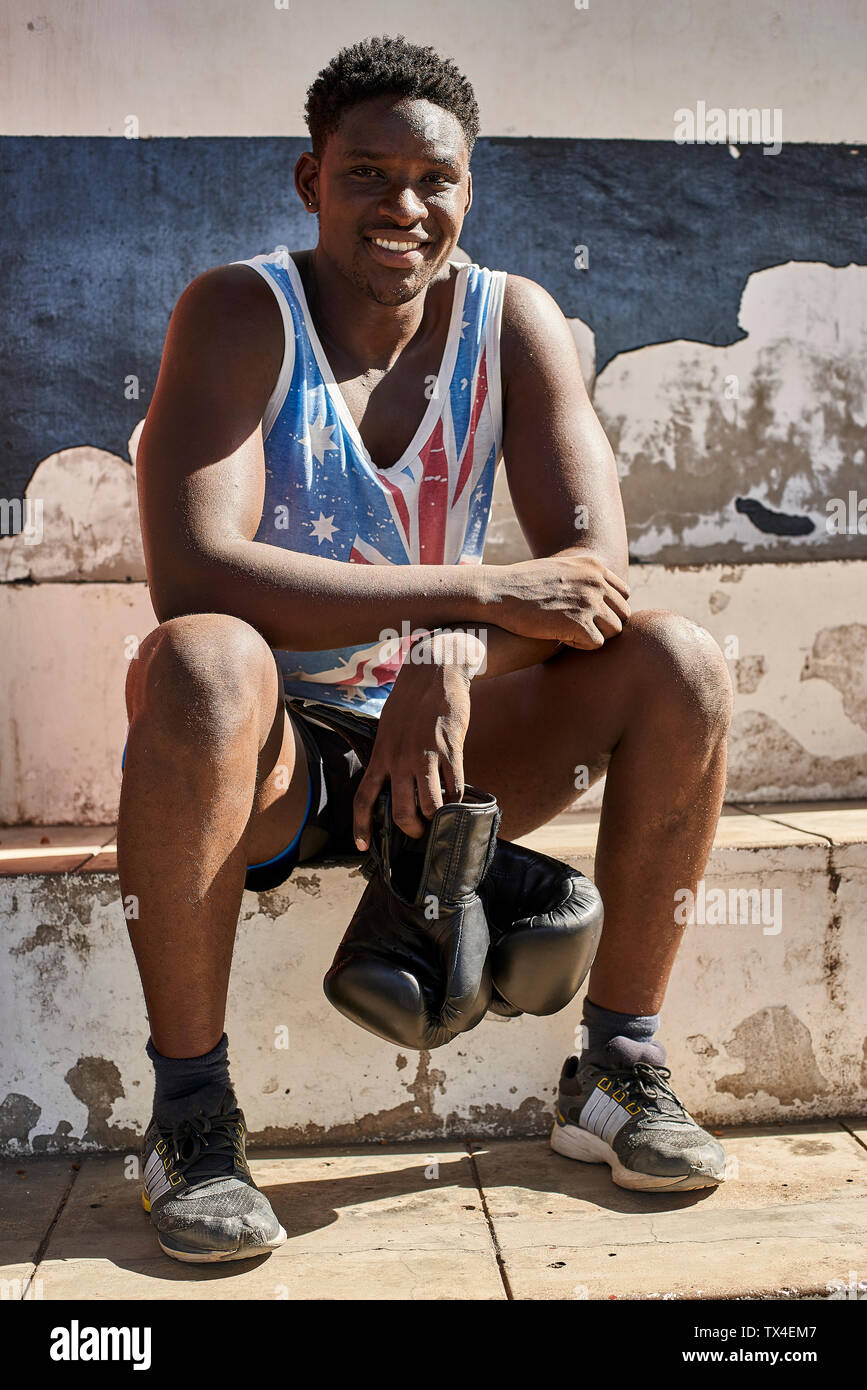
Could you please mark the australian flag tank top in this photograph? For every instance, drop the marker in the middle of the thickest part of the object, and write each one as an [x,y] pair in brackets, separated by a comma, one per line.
[325,496]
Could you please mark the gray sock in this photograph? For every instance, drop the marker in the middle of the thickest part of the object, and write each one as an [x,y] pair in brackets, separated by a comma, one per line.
[600,1026]
[186,1085]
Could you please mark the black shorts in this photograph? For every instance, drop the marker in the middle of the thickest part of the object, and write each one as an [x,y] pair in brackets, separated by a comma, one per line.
[338,742]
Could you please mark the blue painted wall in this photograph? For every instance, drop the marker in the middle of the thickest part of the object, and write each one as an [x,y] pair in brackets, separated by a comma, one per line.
[99,237]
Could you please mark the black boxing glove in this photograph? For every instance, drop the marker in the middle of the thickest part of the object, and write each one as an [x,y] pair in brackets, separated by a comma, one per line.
[544,920]
[412,967]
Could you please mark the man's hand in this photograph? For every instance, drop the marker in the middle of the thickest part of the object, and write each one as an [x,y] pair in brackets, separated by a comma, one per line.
[419,741]
[571,598]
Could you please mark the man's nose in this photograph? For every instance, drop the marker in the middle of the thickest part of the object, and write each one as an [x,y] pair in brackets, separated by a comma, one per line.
[402,202]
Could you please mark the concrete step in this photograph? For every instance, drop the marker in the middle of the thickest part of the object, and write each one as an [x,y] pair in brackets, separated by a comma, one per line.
[483,1221]
[764,1020]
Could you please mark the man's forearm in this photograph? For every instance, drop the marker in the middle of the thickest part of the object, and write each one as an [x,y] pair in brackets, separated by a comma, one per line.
[309,603]
[498,650]
[507,651]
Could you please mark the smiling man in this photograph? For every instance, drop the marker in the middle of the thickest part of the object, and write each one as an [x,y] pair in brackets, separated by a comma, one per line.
[315,480]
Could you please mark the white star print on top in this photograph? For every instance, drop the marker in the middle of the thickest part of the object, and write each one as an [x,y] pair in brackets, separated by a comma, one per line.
[325,496]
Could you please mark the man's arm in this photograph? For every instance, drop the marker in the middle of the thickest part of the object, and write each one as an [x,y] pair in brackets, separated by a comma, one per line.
[560,466]
[201,483]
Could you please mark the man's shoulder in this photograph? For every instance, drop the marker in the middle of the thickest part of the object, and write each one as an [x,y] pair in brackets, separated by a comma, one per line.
[527,305]
[229,303]
[227,288]
[530,317]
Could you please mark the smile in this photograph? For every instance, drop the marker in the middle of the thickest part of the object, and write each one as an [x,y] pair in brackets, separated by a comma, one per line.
[397,245]
[396,252]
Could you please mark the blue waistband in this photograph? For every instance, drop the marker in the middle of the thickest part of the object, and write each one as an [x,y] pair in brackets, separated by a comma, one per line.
[290,847]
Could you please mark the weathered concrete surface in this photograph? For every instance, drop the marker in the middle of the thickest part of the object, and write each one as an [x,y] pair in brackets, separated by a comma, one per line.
[83,501]
[703,433]
[52,849]
[764,1019]
[380,1224]
[548,72]
[512,1221]
[794,637]
[748,450]
[789,1220]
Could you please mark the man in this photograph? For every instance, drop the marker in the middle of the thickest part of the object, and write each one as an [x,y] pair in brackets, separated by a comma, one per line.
[315,472]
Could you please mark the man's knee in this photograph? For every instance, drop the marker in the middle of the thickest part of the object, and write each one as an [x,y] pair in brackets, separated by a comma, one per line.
[679,663]
[208,666]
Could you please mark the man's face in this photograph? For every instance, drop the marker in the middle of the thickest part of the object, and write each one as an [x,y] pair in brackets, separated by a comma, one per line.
[395,171]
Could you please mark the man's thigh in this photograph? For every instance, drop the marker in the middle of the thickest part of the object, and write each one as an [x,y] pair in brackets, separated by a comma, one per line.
[660,691]
[540,736]
[281,789]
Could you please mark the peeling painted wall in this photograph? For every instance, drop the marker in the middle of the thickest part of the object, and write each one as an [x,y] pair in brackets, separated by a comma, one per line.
[736,452]
[720,314]
[749,271]
[760,1027]
[721,326]
[794,637]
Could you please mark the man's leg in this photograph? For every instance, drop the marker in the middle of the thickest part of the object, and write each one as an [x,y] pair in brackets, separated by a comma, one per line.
[209,752]
[652,707]
[201,798]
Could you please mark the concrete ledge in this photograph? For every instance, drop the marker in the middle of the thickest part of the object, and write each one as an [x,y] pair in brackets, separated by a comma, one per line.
[764,1020]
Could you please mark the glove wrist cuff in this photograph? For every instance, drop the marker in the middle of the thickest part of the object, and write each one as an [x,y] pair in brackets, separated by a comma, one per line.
[461,841]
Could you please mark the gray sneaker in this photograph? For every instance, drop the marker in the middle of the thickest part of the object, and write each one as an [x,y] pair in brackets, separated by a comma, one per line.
[618,1108]
[198,1189]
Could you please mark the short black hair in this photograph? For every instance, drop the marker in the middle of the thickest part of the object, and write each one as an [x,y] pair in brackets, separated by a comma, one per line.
[376,66]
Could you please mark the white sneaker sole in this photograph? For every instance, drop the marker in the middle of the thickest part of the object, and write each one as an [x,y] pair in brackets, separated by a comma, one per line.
[207,1257]
[573,1142]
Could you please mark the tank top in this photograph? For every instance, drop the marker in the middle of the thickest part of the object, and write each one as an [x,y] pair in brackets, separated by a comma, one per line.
[325,496]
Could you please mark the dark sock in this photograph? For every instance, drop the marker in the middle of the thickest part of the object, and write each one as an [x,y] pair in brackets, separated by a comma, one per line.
[186,1085]
[600,1026]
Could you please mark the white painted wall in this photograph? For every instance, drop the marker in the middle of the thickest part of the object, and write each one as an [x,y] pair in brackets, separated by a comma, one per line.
[617,69]
[794,635]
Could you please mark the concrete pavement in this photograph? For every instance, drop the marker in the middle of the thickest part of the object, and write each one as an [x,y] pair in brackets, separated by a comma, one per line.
[453,1221]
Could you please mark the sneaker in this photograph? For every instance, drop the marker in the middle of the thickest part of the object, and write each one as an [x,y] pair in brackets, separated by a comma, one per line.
[202,1200]
[619,1109]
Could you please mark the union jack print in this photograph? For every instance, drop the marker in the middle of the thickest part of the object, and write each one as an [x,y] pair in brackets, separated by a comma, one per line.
[324,494]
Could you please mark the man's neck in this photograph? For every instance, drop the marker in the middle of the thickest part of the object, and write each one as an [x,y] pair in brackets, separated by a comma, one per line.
[350,322]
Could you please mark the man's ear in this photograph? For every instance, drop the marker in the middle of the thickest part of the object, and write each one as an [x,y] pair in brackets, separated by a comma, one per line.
[306,177]
[469,193]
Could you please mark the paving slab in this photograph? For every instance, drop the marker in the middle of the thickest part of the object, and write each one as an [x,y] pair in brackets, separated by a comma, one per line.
[31,1190]
[575,832]
[367,1222]
[370,1276]
[791,1216]
[17,1283]
[389,1222]
[857,1126]
[105,862]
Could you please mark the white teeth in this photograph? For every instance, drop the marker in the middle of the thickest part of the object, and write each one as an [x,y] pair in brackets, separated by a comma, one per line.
[395,245]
